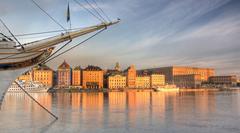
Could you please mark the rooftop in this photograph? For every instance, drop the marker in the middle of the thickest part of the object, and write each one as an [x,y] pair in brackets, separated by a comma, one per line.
[77,68]
[93,68]
[64,65]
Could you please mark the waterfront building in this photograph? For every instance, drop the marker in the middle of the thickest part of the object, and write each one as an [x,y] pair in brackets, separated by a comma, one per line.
[92,77]
[172,71]
[76,76]
[157,80]
[43,74]
[143,82]
[131,76]
[64,75]
[27,76]
[230,80]
[188,81]
[116,81]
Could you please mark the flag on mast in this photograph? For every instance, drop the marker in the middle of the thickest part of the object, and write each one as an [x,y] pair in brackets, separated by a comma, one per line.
[68,13]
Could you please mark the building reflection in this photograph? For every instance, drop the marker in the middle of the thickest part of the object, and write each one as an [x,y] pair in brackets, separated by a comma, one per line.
[120,109]
[116,109]
[92,108]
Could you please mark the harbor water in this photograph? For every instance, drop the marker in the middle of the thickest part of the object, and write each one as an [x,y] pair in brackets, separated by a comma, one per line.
[123,112]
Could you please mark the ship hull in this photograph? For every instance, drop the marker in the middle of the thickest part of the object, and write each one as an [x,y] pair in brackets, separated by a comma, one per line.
[6,79]
[10,71]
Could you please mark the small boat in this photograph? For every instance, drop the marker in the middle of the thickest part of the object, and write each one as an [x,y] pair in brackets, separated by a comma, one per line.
[234,88]
[166,88]
[29,86]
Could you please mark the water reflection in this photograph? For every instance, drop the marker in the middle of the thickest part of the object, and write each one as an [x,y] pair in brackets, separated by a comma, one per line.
[122,111]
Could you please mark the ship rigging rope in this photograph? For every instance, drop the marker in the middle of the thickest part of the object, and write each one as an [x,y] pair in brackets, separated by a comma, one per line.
[46,32]
[59,49]
[48,15]
[95,10]
[49,59]
[95,2]
[81,5]
[11,33]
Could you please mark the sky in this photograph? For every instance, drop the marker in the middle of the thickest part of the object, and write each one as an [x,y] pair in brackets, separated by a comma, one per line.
[152,33]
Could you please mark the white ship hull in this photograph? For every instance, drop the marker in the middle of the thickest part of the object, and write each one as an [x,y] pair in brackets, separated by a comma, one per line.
[29,86]
[11,71]
[6,79]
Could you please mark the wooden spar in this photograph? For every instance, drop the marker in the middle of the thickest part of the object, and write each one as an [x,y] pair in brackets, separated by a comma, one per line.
[52,41]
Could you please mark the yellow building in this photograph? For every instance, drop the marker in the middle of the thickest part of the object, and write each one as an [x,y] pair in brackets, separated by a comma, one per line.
[64,75]
[116,81]
[143,82]
[26,76]
[157,80]
[43,74]
[92,77]
[131,76]
[76,76]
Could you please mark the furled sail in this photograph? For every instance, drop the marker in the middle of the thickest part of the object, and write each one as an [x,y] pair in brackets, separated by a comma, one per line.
[46,43]
[14,60]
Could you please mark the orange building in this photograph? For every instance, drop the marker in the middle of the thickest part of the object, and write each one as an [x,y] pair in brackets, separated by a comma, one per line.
[76,76]
[131,76]
[43,74]
[172,71]
[64,75]
[26,76]
[92,77]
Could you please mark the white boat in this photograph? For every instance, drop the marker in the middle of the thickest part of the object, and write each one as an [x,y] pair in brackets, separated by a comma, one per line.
[29,86]
[166,88]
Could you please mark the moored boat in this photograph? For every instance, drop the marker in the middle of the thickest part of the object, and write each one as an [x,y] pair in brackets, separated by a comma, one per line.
[29,86]
[166,88]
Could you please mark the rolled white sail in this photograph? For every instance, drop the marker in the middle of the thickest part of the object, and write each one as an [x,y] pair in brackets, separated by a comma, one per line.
[38,45]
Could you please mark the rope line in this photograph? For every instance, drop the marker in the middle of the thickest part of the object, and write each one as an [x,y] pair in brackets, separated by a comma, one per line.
[46,32]
[108,18]
[11,33]
[75,45]
[16,82]
[43,62]
[95,10]
[88,10]
[48,15]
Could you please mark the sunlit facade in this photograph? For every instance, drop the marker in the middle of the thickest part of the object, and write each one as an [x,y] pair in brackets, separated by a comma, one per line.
[76,76]
[92,77]
[44,75]
[157,80]
[188,81]
[116,81]
[142,82]
[131,77]
[26,76]
[64,75]
[230,80]
[172,71]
